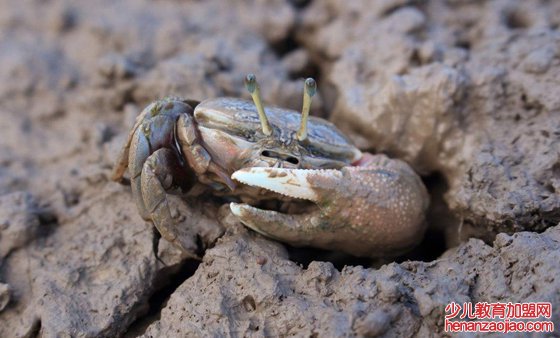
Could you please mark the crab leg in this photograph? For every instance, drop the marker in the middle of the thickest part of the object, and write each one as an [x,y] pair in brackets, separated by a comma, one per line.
[156,179]
[161,173]
[152,134]
[154,163]
[123,157]
[376,208]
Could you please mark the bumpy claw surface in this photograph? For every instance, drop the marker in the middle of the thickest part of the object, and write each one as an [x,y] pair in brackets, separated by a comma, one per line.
[374,209]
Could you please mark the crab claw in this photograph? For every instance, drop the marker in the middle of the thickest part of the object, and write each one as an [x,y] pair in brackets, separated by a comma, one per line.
[374,210]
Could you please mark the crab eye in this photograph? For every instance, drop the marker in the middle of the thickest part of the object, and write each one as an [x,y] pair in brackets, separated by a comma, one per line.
[292,160]
[272,154]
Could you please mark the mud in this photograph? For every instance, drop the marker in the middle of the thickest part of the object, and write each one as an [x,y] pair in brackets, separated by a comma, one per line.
[464,91]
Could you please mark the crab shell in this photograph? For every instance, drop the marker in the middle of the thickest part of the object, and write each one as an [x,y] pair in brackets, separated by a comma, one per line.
[231,132]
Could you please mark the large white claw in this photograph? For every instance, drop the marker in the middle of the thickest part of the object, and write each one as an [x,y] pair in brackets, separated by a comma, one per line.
[289,182]
[373,209]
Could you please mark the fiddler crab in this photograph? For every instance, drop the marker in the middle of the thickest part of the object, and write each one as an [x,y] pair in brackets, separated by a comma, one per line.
[288,176]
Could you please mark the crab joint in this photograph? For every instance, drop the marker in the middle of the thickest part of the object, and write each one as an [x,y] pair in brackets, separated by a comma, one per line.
[253,88]
[308,92]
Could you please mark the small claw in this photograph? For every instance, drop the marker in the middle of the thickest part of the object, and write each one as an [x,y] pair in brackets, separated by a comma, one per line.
[295,183]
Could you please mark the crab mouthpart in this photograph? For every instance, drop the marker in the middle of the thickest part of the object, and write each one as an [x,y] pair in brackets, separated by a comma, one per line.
[292,183]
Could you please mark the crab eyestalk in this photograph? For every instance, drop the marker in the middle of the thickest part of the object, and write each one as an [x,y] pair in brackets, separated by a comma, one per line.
[253,88]
[308,92]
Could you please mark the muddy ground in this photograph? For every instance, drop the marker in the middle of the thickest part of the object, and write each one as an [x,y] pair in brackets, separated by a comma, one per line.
[467,92]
